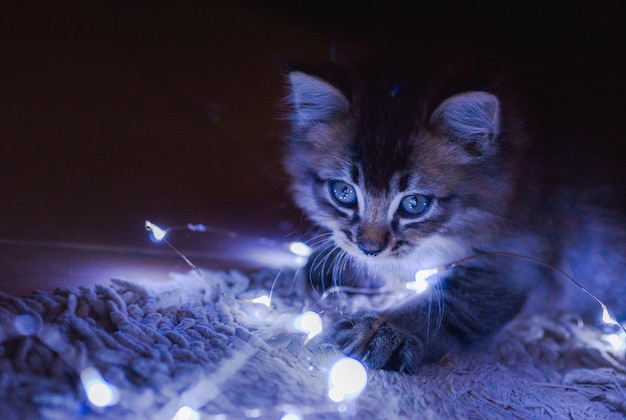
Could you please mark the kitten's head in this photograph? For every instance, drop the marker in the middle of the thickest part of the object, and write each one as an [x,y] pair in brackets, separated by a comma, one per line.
[399,169]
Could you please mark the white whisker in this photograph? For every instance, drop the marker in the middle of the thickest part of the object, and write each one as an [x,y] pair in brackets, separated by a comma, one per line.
[439,296]
[274,284]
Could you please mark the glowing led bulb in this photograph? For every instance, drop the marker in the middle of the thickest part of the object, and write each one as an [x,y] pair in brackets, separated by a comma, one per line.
[157,233]
[300,249]
[607,318]
[421,280]
[263,300]
[310,323]
[617,341]
[186,413]
[99,392]
[291,416]
[347,379]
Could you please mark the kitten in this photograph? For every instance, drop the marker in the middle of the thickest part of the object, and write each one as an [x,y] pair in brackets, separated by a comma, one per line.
[407,171]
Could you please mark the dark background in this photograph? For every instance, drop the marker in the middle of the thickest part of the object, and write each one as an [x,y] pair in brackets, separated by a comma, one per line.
[112,113]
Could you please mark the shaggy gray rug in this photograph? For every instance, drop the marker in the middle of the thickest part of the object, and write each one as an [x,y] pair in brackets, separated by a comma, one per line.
[200,348]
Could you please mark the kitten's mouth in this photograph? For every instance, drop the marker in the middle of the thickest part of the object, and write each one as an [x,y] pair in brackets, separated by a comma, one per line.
[371,251]
[370,254]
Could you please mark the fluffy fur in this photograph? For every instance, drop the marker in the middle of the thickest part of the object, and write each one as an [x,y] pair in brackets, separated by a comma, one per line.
[404,171]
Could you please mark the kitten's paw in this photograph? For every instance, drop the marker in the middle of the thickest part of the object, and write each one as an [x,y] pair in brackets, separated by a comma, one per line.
[379,344]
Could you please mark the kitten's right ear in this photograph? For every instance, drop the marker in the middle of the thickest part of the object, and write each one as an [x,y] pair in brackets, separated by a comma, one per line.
[470,119]
[314,100]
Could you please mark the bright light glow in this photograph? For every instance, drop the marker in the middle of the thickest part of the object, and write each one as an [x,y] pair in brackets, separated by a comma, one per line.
[263,300]
[157,233]
[617,341]
[421,280]
[300,249]
[99,392]
[310,323]
[253,413]
[300,261]
[186,413]
[347,379]
[291,416]
[607,318]
[196,227]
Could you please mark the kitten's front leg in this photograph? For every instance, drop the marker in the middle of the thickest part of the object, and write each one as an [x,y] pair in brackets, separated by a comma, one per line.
[383,341]
[476,302]
[383,344]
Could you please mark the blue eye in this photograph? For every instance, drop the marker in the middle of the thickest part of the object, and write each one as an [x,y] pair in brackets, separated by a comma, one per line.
[416,204]
[343,193]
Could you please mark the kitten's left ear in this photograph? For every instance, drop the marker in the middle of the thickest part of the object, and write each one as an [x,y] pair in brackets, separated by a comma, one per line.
[315,100]
[472,119]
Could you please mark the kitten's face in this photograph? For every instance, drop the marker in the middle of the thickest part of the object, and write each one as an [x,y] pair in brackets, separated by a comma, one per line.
[394,180]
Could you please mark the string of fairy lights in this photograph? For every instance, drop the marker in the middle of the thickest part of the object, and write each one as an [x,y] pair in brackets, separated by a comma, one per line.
[347,376]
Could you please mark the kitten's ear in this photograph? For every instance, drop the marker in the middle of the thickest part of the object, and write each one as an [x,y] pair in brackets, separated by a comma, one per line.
[314,100]
[472,119]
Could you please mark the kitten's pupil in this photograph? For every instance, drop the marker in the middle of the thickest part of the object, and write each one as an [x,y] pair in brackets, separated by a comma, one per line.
[343,193]
[415,204]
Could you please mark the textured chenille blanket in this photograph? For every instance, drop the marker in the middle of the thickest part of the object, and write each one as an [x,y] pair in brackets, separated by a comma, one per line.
[224,345]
